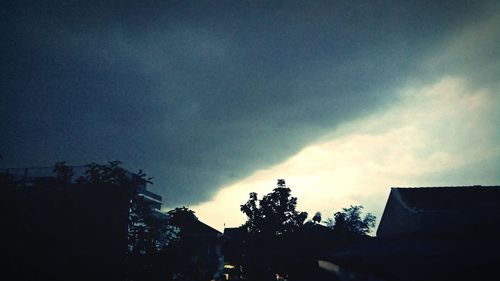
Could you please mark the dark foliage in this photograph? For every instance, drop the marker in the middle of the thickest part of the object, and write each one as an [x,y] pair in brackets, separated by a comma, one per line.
[274,214]
[349,220]
[317,218]
[180,215]
[94,227]
[278,242]
[271,222]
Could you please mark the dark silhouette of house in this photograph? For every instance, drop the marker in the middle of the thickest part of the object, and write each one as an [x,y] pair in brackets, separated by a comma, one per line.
[440,211]
[149,198]
[434,233]
[199,250]
[56,229]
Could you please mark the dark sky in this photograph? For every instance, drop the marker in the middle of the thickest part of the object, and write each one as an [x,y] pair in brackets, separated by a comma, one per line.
[201,94]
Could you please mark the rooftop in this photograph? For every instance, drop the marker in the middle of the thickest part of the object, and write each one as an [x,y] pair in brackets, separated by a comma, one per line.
[449,197]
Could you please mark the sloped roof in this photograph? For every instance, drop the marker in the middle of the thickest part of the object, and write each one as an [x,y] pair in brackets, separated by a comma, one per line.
[197,227]
[432,233]
[449,198]
[433,210]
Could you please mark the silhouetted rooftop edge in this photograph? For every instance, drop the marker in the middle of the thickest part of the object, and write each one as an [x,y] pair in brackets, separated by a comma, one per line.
[432,210]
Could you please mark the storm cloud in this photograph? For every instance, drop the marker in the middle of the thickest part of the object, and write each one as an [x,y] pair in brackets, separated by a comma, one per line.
[201,94]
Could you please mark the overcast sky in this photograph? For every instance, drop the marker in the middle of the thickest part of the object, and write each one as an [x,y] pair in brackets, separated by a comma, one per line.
[215,99]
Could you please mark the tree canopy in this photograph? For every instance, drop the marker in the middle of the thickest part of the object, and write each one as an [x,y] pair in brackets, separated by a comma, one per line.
[274,214]
[349,220]
[180,215]
[317,217]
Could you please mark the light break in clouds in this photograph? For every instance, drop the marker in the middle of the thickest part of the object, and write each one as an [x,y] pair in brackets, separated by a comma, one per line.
[440,134]
[440,130]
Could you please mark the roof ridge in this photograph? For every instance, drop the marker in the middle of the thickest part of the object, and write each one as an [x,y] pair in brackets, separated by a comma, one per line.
[210,227]
[437,187]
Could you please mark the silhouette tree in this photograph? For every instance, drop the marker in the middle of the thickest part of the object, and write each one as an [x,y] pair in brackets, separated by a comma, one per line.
[111,174]
[99,210]
[274,214]
[270,224]
[149,232]
[180,215]
[349,220]
[317,217]
[63,172]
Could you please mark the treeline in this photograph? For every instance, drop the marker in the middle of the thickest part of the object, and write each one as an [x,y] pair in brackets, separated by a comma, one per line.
[97,225]
[279,242]
[91,225]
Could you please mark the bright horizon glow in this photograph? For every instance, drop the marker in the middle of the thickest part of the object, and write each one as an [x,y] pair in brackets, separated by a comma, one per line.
[438,133]
[427,138]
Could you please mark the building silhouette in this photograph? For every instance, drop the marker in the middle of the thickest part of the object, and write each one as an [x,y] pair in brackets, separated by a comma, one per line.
[431,233]
[56,228]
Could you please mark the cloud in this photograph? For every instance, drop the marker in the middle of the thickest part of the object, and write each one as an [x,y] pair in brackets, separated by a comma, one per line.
[440,130]
[201,95]
[429,138]
[471,52]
